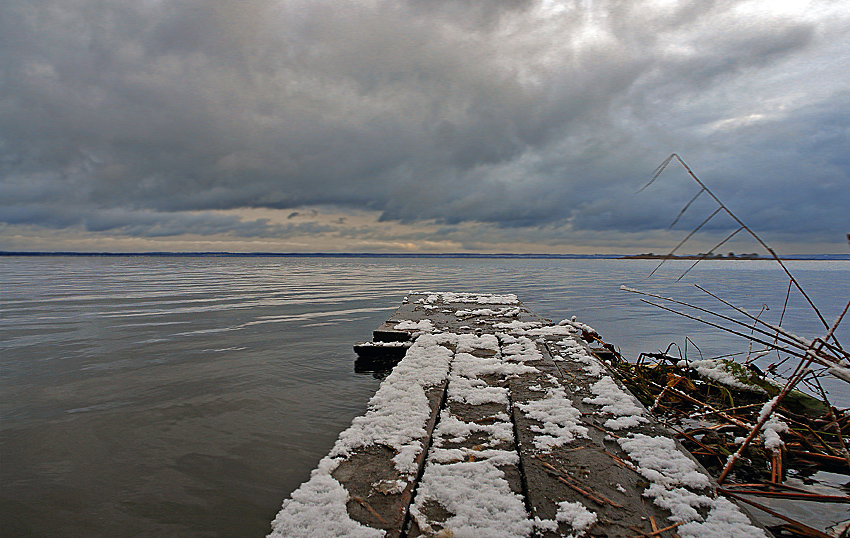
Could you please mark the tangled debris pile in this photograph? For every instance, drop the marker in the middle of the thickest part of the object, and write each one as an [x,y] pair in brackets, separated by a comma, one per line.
[713,405]
[749,428]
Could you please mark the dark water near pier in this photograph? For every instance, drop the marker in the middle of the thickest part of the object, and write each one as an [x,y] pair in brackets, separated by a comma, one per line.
[186,397]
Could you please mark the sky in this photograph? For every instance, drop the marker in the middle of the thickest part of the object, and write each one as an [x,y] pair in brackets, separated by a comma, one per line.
[422,126]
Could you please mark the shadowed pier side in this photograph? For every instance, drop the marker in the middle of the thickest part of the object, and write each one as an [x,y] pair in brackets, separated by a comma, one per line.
[498,422]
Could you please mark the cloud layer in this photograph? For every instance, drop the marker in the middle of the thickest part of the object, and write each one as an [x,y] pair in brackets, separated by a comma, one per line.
[163,118]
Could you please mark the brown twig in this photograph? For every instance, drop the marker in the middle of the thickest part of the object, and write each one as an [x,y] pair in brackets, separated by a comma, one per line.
[665,529]
[795,495]
[369,508]
[822,458]
[801,371]
[835,423]
[692,439]
[738,408]
[622,463]
[800,527]
[603,430]
[693,400]
[823,443]
[565,478]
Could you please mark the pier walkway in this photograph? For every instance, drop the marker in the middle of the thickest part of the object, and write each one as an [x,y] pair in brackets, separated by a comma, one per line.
[499,423]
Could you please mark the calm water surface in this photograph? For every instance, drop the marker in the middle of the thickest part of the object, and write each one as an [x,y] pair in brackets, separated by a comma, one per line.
[186,397]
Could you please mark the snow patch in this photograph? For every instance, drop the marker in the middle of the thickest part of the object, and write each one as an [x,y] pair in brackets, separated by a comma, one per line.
[521,349]
[475,391]
[616,401]
[398,412]
[517,326]
[670,472]
[409,325]
[772,428]
[576,516]
[479,498]
[550,330]
[471,366]
[485,298]
[660,461]
[718,370]
[454,430]
[560,419]
[723,521]
[318,508]
[505,312]
[577,325]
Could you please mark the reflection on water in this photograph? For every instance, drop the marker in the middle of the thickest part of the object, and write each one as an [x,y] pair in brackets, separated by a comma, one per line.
[187,397]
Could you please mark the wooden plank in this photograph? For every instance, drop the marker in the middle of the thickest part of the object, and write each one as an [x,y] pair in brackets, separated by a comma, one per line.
[586,470]
[379,494]
[473,448]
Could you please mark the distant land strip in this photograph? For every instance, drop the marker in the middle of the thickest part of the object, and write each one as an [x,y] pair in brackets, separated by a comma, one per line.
[730,256]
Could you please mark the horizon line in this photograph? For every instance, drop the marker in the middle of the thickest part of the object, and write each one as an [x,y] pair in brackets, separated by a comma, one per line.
[227,254]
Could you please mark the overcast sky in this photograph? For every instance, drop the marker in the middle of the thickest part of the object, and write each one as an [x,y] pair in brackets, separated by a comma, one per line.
[421,125]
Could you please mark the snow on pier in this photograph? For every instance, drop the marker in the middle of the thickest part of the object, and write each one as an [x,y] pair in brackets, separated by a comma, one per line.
[499,423]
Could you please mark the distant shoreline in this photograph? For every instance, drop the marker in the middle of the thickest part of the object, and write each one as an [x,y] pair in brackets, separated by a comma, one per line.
[459,255]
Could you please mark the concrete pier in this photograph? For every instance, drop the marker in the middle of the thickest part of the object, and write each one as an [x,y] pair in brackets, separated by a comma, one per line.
[497,422]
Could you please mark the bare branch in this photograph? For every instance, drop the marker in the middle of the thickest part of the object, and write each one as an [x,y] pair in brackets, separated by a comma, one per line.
[683,241]
[682,212]
[704,256]
[743,226]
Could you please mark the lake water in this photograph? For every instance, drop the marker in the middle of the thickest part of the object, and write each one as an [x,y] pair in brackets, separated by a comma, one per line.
[187,397]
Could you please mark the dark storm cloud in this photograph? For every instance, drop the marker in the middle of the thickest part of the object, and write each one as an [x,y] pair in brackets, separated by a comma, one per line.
[137,117]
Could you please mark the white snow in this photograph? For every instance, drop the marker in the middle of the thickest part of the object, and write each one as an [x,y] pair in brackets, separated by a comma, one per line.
[560,419]
[616,401]
[477,298]
[478,312]
[549,330]
[545,524]
[718,370]
[681,502]
[475,391]
[398,412]
[660,461]
[767,408]
[456,455]
[467,343]
[384,344]
[576,516]
[670,472]
[724,520]
[468,365]
[479,498]
[577,325]
[521,349]
[518,327]
[505,312]
[464,385]
[455,430]
[422,325]
[772,428]
[318,508]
